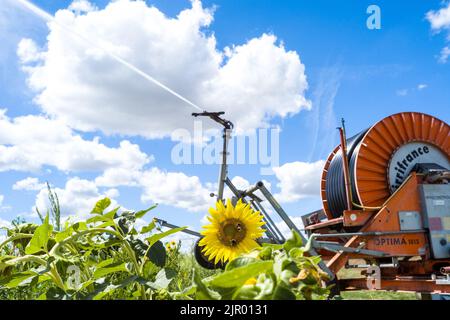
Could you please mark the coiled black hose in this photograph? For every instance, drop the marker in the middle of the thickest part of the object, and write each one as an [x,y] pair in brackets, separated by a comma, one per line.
[335,182]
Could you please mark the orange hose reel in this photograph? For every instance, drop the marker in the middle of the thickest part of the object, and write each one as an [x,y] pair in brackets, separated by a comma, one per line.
[386,154]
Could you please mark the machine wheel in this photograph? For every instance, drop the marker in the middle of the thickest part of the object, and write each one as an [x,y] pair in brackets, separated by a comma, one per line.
[203,261]
[335,290]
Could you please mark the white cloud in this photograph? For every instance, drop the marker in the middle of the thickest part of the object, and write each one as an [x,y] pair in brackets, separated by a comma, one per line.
[29,184]
[239,182]
[405,92]
[2,207]
[80,6]
[87,89]
[445,53]
[112,193]
[114,177]
[284,229]
[28,51]
[175,189]
[4,224]
[440,21]
[298,180]
[27,143]
[204,220]
[242,184]
[422,86]
[76,199]
[158,186]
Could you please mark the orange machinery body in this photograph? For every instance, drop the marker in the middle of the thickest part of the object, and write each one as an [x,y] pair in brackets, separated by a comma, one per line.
[376,223]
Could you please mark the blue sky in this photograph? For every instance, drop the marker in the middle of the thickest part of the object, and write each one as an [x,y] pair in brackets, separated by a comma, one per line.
[352,72]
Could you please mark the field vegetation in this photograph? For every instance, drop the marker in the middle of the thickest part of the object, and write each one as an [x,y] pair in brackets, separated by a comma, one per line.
[107,257]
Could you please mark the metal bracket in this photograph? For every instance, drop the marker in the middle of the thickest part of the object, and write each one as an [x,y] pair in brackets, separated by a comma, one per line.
[163,223]
[335,247]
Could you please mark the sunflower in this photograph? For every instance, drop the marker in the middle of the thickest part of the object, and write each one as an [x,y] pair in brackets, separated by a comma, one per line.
[233,230]
[171,246]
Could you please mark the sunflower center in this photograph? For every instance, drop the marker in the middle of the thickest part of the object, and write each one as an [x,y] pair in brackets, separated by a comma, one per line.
[232,232]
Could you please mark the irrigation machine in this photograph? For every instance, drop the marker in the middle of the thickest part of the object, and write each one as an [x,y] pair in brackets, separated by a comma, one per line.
[386,207]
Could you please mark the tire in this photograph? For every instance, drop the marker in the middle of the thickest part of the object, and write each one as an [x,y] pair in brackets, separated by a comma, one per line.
[203,261]
[335,290]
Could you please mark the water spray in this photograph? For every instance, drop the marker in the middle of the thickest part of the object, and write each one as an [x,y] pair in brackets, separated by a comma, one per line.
[48,17]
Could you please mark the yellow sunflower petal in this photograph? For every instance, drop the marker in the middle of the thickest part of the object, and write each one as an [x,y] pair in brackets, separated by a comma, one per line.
[220,248]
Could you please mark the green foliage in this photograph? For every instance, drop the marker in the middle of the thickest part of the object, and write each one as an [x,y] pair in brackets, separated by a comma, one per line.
[106,257]
[55,209]
[278,272]
[101,257]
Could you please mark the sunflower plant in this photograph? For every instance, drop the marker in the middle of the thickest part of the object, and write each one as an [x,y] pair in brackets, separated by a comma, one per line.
[233,230]
[104,256]
[253,271]
[269,272]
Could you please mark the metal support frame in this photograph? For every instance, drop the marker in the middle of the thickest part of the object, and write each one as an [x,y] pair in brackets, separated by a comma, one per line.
[269,197]
[336,247]
[271,224]
[413,284]
[164,223]
[364,234]
[348,188]
[227,128]
[223,174]
[272,232]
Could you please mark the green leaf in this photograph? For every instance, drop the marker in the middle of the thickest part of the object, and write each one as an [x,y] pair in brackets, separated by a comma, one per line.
[43,278]
[286,275]
[43,296]
[246,293]
[101,206]
[40,238]
[111,214]
[203,292]
[60,236]
[239,262]
[282,262]
[142,213]
[294,242]
[237,277]
[102,291]
[163,279]
[265,284]
[80,226]
[111,268]
[297,253]
[262,290]
[17,279]
[157,254]
[55,293]
[106,224]
[107,217]
[104,263]
[273,246]
[281,292]
[148,228]
[265,253]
